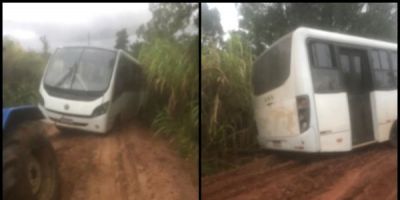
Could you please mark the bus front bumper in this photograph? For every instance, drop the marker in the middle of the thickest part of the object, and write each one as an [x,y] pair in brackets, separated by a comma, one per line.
[96,124]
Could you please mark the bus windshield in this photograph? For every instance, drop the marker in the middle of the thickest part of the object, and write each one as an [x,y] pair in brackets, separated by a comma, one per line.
[80,69]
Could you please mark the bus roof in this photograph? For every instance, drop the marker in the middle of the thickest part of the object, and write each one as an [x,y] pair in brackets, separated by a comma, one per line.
[305,33]
[89,47]
[344,38]
[102,48]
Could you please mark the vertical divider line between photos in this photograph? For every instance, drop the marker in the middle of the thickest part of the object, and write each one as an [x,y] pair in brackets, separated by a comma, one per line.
[199,102]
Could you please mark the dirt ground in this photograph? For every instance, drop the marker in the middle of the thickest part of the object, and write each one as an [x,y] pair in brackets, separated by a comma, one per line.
[367,173]
[125,164]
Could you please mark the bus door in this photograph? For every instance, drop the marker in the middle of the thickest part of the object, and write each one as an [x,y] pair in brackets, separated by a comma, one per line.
[358,84]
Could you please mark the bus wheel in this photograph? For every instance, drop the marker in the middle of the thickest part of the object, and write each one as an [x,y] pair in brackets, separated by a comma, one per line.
[29,165]
[393,136]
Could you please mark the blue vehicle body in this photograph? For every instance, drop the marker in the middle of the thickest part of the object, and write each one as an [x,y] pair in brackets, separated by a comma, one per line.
[14,116]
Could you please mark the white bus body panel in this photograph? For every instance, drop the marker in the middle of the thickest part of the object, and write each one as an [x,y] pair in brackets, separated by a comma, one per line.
[276,113]
[333,107]
[384,113]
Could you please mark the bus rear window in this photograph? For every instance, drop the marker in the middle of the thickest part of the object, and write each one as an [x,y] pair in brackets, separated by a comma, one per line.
[272,68]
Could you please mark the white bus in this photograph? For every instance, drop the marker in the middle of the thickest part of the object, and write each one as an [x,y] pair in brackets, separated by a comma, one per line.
[318,91]
[91,88]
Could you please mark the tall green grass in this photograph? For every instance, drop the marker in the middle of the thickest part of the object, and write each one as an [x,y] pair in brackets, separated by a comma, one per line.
[172,107]
[22,71]
[226,116]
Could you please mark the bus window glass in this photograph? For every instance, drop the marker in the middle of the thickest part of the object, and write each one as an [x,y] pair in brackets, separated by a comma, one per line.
[272,68]
[137,77]
[357,64]
[323,56]
[394,60]
[384,58]
[344,60]
[375,59]
[122,76]
[326,78]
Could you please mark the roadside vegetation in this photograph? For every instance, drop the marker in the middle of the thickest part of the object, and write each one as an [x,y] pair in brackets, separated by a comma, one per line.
[22,71]
[167,46]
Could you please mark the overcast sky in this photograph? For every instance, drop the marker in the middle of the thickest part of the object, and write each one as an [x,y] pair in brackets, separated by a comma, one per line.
[69,24]
[229,16]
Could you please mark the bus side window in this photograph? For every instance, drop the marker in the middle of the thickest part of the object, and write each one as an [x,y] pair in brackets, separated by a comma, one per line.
[129,75]
[137,78]
[384,60]
[121,77]
[375,60]
[393,58]
[322,55]
[383,69]
[345,61]
[327,76]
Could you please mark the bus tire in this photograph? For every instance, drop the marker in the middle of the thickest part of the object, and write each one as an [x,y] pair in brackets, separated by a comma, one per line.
[393,135]
[29,165]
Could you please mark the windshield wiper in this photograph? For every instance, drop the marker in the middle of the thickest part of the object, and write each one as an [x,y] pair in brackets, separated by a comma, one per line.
[71,71]
[76,68]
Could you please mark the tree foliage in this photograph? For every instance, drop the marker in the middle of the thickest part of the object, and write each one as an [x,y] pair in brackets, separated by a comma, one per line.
[227,123]
[168,49]
[22,71]
[122,39]
[211,29]
[266,22]
[45,44]
[175,21]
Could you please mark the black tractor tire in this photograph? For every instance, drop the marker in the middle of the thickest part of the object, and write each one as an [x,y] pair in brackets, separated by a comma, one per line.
[30,169]
[393,135]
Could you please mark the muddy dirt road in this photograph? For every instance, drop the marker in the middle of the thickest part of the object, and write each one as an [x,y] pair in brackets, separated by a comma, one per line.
[126,164]
[368,173]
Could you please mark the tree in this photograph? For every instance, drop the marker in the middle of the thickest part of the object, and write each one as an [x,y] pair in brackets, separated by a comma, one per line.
[122,39]
[267,22]
[172,21]
[22,72]
[167,47]
[135,48]
[45,44]
[211,29]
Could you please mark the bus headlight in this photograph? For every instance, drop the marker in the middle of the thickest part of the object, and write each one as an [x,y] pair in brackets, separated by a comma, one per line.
[303,110]
[101,109]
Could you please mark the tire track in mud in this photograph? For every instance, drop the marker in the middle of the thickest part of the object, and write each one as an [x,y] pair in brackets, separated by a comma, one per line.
[362,174]
[154,169]
[126,164]
[76,176]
